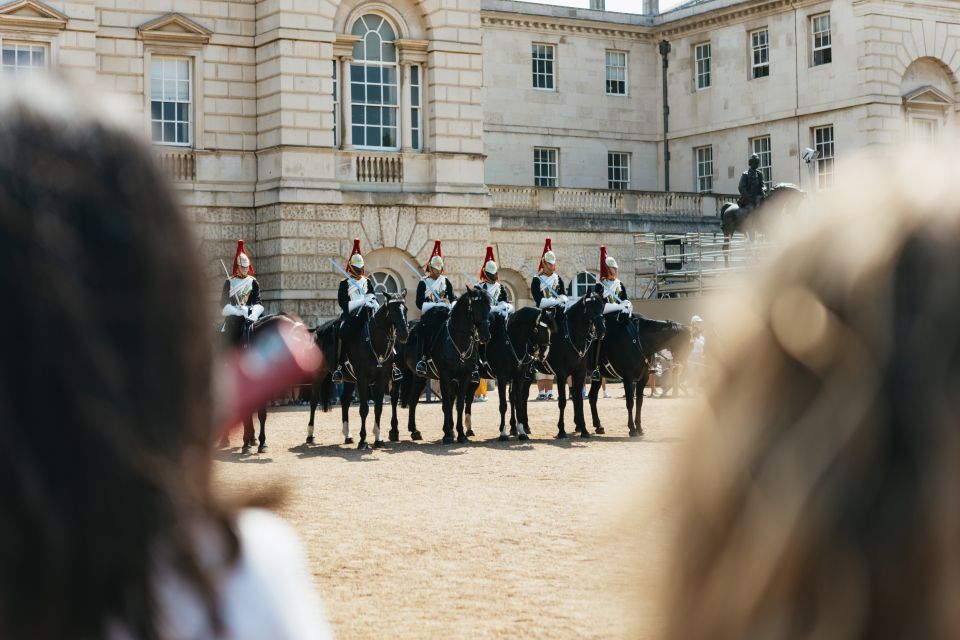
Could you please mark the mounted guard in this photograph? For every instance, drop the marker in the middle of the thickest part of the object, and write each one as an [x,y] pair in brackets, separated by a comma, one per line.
[435,290]
[489,282]
[241,301]
[547,282]
[614,295]
[752,188]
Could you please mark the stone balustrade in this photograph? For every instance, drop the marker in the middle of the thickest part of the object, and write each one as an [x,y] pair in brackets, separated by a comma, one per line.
[180,166]
[379,168]
[507,197]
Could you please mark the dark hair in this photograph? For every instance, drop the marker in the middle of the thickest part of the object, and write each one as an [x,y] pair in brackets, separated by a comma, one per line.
[822,495]
[105,408]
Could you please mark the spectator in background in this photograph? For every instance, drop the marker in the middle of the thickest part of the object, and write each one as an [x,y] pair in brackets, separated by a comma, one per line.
[821,495]
[108,524]
[544,386]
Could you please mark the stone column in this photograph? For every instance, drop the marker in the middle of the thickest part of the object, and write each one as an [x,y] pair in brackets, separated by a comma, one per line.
[346,112]
[405,138]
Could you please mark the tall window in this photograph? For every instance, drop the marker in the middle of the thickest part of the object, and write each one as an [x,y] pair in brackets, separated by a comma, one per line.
[761,147]
[583,283]
[384,282]
[415,107]
[543,55]
[616,73]
[545,167]
[760,52]
[373,84]
[336,104]
[618,170]
[16,57]
[924,130]
[823,144]
[704,168]
[171,96]
[820,29]
[702,56]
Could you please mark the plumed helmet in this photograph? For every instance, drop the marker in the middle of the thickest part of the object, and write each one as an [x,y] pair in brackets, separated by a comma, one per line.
[606,263]
[490,268]
[696,320]
[356,261]
[489,264]
[611,263]
[436,262]
[548,256]
[241,259]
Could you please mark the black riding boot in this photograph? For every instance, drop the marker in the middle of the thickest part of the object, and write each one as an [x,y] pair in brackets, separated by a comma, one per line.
[337,375]
[396,373]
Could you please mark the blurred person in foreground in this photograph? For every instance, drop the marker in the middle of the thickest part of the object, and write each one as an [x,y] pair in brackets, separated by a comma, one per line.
[821,495]
[108,524]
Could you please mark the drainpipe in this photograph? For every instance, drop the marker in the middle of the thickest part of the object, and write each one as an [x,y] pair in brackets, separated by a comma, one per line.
[664,50]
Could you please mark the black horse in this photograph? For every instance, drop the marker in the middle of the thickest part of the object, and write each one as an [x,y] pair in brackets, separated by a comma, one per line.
[516,344]
[783,198]
[257,328]
[453,352]
[578,326]
[626,352]
[368,344]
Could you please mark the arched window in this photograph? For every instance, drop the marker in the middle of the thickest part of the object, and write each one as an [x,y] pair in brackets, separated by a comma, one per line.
[510,293]
[373,84]
[583,282]
[384,281]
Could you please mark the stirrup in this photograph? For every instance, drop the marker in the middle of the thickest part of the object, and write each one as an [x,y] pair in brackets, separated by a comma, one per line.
[422,369]
[595,375]
[396,373]
[475,376]
[337,376]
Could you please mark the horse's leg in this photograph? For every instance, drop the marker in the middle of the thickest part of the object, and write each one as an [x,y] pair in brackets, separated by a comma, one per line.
[628,390]
[447,389]
[578,416]
[248,434]
[462,391]
[345,397]
[521,395]
[394,423]
[314,399]
[562,403]
[638,428]
[415,390]
[262,416]
[502,395]
[468,409]
[594,394]
[513,406]
[378,390]
[363,391]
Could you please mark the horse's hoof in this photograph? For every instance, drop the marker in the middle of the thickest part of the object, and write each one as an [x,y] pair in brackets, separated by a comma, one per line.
[561,435]
[634,433]
[447,439]
[584,433]
[600,430]
[470,433]
[262,448]
[523,437]
[378,444]
[503,438]
[310,440]
[245,449]
[462,439]
[394,436]
[513,431]
[348,441]
[578,429]
[416,435]
[362,446]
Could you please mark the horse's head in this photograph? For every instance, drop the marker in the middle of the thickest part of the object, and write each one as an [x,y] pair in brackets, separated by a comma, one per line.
[397,310]
[478,303]
[593,304]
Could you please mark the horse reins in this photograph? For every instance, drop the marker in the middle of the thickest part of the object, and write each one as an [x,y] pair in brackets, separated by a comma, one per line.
[391,337]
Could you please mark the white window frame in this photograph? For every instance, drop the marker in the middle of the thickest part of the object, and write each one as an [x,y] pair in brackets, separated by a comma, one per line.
[22,42]
[336,103]
[416,107]
[582,282]
[195,55]
[924,129]
[702,162]
[762,146]
[825,37]
[703,66]
[617,69]
[397,86]
[384,277]
[191,100]
[759,53]
[825,145]
[548,179]
[549,72]
[623,168]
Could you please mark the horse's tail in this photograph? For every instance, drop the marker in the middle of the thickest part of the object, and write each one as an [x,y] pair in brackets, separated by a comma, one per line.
[327,389]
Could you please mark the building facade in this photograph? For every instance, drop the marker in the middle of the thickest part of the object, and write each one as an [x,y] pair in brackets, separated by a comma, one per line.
[300,124]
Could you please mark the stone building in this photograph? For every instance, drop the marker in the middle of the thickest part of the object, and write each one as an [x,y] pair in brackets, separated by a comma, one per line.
[300,124]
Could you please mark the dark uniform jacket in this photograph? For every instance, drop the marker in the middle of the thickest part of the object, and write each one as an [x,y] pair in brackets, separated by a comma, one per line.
[751,187]
[343,295]
[252,299]
[422,294]
[538,293]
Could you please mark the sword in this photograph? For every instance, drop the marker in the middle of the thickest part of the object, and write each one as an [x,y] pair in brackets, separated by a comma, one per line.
[542,283]
[236,297]
[346,275]
[469,278]
[436,296]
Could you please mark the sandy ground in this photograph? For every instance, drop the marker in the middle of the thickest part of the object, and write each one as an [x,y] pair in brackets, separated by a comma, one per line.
[544,539]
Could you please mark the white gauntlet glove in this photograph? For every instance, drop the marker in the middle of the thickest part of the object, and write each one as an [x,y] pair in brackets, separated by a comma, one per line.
[233,310]
[255,312]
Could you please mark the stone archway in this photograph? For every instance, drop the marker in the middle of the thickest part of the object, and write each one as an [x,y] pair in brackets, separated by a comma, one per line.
[518,285]
[390,260]
[928,90]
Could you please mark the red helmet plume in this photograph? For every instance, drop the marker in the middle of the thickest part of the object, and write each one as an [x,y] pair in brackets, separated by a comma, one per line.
[489,263]
[436,257]
[548,255]
[241,251]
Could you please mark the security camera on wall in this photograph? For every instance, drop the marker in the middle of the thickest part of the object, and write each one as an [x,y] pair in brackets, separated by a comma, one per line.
[809,155]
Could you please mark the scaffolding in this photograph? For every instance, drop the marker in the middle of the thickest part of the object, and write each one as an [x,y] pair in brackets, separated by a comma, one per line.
[674,265]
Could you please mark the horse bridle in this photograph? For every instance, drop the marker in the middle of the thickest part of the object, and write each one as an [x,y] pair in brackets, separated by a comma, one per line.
[591,332]
[391,336]
[474,334]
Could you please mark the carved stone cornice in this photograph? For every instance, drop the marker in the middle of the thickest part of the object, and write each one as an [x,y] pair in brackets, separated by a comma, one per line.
[414,51]
[31,15]
[343,45]
[175,29]
[526,22]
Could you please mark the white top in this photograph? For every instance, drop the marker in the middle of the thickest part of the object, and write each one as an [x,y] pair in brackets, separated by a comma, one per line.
[357,289]
[268,593]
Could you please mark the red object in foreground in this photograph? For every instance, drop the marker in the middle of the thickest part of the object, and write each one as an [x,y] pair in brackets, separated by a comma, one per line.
[274,362]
